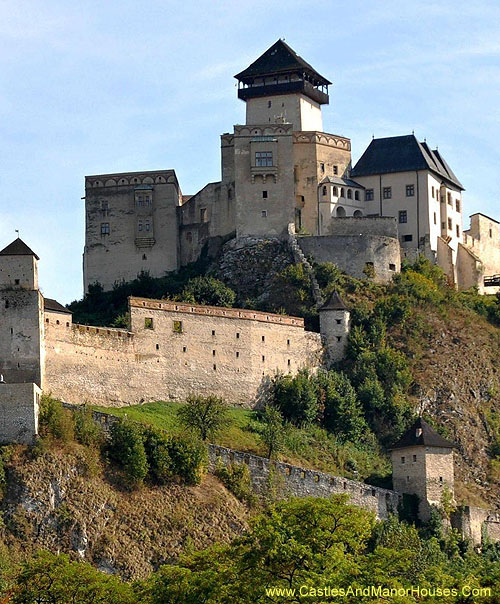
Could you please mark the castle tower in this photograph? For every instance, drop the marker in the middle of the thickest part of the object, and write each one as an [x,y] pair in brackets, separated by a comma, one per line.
[278,159]
[422,465]
[334,321]
[21,343]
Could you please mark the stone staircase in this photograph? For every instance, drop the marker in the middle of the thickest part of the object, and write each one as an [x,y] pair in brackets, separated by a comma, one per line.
[299,256]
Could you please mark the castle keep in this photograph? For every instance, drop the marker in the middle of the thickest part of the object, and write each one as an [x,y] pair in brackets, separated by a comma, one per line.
[282,177]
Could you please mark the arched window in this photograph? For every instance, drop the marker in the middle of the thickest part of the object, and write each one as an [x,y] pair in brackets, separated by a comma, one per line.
[335,191]
[324,191]
[356,195]
[342,192]
[340,211]
[349,193]
[358,214]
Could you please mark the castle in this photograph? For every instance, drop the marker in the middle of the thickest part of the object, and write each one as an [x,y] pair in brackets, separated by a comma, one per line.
[283,177]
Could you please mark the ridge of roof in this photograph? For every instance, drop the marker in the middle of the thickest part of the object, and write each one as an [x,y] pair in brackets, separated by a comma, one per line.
[18,248]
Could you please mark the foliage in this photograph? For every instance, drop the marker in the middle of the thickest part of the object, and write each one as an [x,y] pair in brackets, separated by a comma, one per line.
[272,431]
[126,449]
[56,580]
[157,449]
[206,416]
[55,421]
[295,397]
[207,290]
[236,478]
[87,431]
[188,459]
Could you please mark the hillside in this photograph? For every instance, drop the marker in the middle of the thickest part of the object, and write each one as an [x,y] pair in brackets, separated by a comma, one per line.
[66,499]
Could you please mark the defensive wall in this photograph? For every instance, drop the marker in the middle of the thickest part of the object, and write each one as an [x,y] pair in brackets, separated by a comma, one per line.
[358,246]
[173,350]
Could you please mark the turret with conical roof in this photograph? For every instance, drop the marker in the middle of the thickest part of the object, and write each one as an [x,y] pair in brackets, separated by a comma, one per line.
[334,321]
[422,465]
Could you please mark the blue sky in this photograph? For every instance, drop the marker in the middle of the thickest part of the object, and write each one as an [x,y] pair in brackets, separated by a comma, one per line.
[95,87]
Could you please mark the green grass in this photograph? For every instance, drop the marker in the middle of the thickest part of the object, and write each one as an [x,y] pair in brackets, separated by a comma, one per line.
[309,447]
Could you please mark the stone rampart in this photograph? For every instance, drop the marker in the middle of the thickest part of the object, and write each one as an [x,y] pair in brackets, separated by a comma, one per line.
[19,413]
[294,481]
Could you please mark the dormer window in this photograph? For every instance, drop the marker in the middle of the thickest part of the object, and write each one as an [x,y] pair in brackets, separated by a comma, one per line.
[418,432]
[263,159]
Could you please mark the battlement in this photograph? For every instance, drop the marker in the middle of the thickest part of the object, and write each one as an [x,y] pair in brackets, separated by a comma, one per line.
[147,177]
[216,311]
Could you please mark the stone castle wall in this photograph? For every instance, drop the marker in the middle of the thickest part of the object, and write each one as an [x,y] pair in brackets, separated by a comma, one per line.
[19,405]
[174,350]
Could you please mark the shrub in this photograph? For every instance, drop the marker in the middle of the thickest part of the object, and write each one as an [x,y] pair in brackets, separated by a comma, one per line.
[54,420]
[126,449]
[295,397]
[188,459]
[272,431]
[236,478]
[206,416]
[87,431]
[157,447]
[208,290]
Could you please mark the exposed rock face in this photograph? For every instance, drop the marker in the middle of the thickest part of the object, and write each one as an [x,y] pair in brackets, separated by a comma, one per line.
[63,502]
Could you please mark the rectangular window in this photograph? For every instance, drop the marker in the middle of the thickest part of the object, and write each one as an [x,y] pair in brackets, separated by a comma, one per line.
[432,193]
[387,192]
[392,267]
[403,216]
[104,206]
[264,194]
[414,458]
[369,195]
[203,214]
[435,218]
[104,228]
[450,224]
[264,213]
[402,460]
[263,159]
[237,334]
[410,190]
[148,322]
[443,226]
[139,225]
[457,205]
[458,230]
[339,321]
[237,354]
[177,327]
[408,238]
[449,199]
[148,226]
[213,332]
[322,168]
[335,170]
[263,338]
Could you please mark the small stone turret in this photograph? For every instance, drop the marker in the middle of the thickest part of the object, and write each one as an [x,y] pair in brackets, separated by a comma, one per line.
[422,465]
[334,322]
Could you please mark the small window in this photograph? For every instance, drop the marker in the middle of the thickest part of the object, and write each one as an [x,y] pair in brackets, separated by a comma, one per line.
[144,257]
[263,358]
[450,224]
[369,195]
[17,281]
[342,192]
[414,458]
[203,214]
[491,232]
[432,192]
[213,353]
[288,342]
[435,218]
[237,354]
[264,213]
[403,216]
[441,479]
[148,323]
[339,321]
[289,362]
[237,334]
[322,168]
[177,327]
[457,205]
[349,193]
[410,190]
[157,347]
[104,206]
[392,267]
[263,338]
[407,238]
[139,225]
[104,228]
[335,191]
[407,479]
[147,226]
[269,103]
[264,194]
[263,159]
[324,191]
[402,460]
[339,338]
[184,348]
[387,192]
[458,230]
[335,170]
[356,195]
[213,332]
[215,367]
[449,199]
[443,226]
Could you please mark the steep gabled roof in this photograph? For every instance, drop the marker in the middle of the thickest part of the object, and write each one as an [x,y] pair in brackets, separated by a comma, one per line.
[280,58]
[54,306]
[421,434]
[18,248]
[402,154]
[339,180]
[334,302]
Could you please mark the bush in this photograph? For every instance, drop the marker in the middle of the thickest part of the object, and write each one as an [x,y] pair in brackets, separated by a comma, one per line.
[188,459]
[296,398]
[206,416]
[157,447]
[55,421]
[272,431]
[87,431]
[236,478]
[207,290]
[126,449]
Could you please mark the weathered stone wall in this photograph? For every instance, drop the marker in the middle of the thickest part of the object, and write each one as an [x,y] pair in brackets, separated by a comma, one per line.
[293,481]
[477,524]
[19,413]
[352,253]
[175,350]
[384,226]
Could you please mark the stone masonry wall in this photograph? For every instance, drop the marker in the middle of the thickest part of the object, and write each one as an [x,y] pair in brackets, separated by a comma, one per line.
[19,413]
[175,350]
[293,481]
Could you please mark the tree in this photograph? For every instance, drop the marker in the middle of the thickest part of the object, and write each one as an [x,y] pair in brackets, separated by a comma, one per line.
[296,398]
[272,431]
[206,416]
[207,290]
[126,448]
